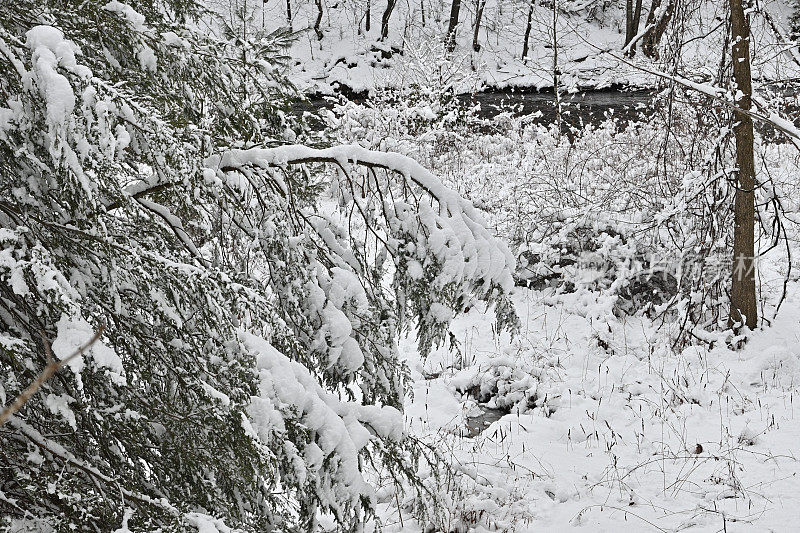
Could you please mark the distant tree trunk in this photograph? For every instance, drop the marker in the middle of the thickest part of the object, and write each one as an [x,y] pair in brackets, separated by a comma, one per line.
[368,22]
[633,14]
[455,8]
[637,17]
[385,19]
[319,20]
[743,288]
[527,32]
[289,13]
[422,10]
[628,20]
[478,15]
[556,97]
[658,19]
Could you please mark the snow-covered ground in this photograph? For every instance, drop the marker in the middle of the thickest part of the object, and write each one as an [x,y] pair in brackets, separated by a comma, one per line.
[607,427]
[592,419]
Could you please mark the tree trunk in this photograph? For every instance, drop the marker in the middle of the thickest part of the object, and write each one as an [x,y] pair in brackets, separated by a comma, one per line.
[422,10]
[633,15]
[628,21]
[556,97]
[637,17]
[385,19]
[527,32]
[743,288]
[319,20]
[455,8]
[478,15]
[657,19]
[368,22]
[289,13]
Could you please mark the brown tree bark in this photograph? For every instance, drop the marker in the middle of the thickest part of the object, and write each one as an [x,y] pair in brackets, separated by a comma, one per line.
[744,308]
[450,41]
[478,16]
[637,17]
[628,20]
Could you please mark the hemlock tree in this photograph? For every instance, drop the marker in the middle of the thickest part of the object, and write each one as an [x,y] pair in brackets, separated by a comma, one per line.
[248,371]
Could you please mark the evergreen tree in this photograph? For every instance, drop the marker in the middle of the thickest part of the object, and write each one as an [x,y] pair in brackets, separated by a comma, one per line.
[250,299]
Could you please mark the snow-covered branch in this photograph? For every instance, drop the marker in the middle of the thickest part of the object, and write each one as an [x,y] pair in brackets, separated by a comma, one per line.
[718,94]
[486,258]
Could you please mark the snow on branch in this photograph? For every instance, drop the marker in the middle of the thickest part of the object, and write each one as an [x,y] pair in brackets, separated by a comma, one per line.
[718,94]
[338,428]
[482,257]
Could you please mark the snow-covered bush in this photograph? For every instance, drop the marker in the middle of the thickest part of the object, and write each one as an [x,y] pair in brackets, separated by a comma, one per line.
[249,298]
[638,211]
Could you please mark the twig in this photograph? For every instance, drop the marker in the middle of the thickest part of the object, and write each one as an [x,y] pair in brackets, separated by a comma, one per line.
[52,367]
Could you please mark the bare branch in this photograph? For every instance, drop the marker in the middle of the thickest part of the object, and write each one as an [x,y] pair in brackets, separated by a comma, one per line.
[51,368]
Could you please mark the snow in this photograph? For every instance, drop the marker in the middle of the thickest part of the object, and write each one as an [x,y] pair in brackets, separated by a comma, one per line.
[594,421]
[123,528]
[590,38]
[616,441]
[594,418]
[217,395]
[136,20]
[59,404]
[74,333]
[147,58]
[207,524]
[49,49]
[458,234]
[340,429]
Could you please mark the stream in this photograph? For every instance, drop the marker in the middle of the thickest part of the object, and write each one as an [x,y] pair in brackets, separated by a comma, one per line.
[586,107]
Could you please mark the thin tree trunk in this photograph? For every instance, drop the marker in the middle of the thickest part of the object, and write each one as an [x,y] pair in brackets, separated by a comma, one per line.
[319,20]
[455,8]
[637,17]
[478,15]
[422,10]
[369,15]
[556,97]
[385,19]
[633,18]
[628,21]
[743,288]
[527,32]
[289,13]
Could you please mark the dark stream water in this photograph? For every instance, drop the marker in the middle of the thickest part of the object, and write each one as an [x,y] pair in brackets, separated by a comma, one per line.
[587,107]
